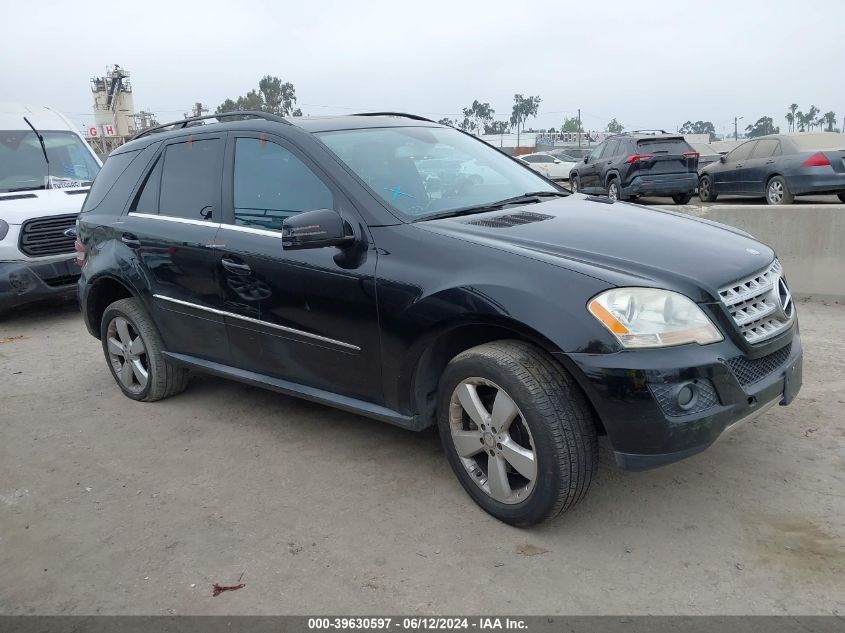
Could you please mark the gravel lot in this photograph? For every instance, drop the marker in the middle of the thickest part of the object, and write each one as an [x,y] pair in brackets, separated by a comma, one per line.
[112,506]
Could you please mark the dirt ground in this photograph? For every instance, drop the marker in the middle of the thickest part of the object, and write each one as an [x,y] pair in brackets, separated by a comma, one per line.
[111,506]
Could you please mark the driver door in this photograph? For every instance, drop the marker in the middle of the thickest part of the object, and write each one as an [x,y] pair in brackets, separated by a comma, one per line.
[589,171]
[307,316]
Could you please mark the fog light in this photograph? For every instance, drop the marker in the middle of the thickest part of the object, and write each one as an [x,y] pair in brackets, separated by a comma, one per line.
[687,396]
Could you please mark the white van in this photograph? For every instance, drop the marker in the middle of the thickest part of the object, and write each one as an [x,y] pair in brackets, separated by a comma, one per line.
[46,168]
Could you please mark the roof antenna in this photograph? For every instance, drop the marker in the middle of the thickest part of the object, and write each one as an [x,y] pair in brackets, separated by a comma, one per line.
[43,149]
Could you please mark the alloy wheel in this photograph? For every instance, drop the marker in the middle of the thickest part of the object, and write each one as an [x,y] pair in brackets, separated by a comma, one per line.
[775,192]
[704,188]
[127,354]
[573,185]
[613,191]
[492,440]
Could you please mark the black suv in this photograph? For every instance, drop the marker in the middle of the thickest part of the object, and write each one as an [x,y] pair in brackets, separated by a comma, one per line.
[308,257]
[627,166]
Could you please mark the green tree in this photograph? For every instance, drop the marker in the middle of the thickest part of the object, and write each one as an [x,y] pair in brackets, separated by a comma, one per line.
[497,127]
[571,124]
[830,120]
[699,127]
[272,96]
[763,126]
[477,116]
[446,121]
[800,120]
[793,108]
[523,107]
[811,117]
[790,121]
[615,127]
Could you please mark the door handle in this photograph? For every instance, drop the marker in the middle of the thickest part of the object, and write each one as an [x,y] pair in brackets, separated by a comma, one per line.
[236,267]
[738,165]
[130,240]
[770,162]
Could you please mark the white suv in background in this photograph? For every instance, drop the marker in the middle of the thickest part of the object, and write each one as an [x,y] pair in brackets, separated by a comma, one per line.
[46,169]
[546,164]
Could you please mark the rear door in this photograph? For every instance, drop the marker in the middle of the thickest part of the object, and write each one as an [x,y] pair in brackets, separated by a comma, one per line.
[172,223]
[607,162]
[307,316]
[758,166]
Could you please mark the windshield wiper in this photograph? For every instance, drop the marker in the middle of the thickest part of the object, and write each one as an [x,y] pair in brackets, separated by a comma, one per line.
[43,147]
[525,198]
[33,188]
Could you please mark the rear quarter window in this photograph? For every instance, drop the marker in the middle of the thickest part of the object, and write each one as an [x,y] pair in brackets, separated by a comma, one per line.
[663,146]
[112,169]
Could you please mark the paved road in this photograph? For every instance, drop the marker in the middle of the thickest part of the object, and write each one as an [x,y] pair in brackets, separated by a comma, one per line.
[112,506]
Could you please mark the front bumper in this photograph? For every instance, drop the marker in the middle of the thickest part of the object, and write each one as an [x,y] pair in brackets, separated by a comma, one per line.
[23,282]
[661,185]
[635,396]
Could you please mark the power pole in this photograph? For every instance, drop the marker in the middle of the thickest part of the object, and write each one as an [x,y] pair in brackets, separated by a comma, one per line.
[736,133]
[579,128]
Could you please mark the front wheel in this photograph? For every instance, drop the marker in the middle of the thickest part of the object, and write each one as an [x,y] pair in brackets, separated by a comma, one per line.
[517,430]
[682,198]
[706,191]
[574,184]
[777,192]
[133,350]
[841,196]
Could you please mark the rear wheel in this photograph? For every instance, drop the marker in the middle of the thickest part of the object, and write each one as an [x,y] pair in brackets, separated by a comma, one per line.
[706,191]
[614,191]
[841,196]
[777,192]
[517,431]
[682,198]
[133,350]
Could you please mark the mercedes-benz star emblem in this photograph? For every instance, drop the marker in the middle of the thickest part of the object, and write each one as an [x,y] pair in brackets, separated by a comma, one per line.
[783,298]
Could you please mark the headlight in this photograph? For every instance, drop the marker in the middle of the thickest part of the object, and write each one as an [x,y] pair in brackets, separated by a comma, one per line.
[648,317]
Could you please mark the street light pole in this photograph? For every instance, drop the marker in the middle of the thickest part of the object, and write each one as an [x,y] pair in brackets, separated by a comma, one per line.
[736,133]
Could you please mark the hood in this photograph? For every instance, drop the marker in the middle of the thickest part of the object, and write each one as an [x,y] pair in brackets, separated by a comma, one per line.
[619,243]
[18,206]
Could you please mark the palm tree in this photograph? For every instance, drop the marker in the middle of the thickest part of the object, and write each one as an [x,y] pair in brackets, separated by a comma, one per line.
[790,120]
[801,119]
[811,116]
[830,119]
[792,110]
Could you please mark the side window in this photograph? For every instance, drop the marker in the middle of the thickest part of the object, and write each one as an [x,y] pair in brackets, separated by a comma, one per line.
[597,152]
[112,169]
[547,159]
[742,152]
[530,159]
[190,179]
[612,149]
[147,200]
[766,148]
[271,184]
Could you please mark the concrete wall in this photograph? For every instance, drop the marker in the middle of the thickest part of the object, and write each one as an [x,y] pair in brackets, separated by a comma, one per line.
[809,240]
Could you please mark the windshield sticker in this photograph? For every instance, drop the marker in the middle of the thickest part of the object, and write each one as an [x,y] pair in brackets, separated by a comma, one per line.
[396,192]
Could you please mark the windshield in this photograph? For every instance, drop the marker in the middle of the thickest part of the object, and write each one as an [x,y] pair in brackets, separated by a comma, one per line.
[22,164]
[422,171]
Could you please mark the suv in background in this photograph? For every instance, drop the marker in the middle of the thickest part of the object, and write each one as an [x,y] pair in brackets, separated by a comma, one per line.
[309,256]
[635,164]
[46,168]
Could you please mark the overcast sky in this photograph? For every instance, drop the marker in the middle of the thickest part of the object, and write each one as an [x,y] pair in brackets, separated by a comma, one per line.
[651,64]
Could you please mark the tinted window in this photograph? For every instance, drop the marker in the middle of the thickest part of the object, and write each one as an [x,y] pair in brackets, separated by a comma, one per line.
[663,146]
[531,159]
[766,148]
[272,184]
[547,159]
[612,149]
[189,180]
[147,201]
[742,152]
[114,166]
[597,152]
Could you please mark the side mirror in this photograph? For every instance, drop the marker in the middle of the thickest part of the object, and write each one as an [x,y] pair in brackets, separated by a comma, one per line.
[723,159]
[316,229]
[586,159]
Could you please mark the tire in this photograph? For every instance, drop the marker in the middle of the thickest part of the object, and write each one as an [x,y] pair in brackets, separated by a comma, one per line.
[575,184]
[777,192]
[682,198]
[706,190]
[841,196]
[614,190]
[551,420]
[124,323]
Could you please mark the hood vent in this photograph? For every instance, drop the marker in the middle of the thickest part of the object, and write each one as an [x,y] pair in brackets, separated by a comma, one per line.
[20,196]
[76,192]
[511,219]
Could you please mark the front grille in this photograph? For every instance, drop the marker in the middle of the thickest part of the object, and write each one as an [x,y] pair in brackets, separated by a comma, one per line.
[665,394]
[749,371]
[64,280]
[46,236]
[511,219]
[760,305]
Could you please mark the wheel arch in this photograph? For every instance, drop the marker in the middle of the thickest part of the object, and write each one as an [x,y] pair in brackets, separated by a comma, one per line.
[104,291]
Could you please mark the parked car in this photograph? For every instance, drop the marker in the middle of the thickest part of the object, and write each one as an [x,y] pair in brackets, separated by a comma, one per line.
[706,154]
[576,153]
[626,166]
[779,167]
[548,165]
[46,168]
[306,256]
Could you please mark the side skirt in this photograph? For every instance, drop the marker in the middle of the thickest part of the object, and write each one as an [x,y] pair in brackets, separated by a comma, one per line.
[353,405]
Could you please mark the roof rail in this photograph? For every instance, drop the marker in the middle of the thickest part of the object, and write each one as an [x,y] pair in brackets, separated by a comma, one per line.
[189,122]
[649,132]
[415,117]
